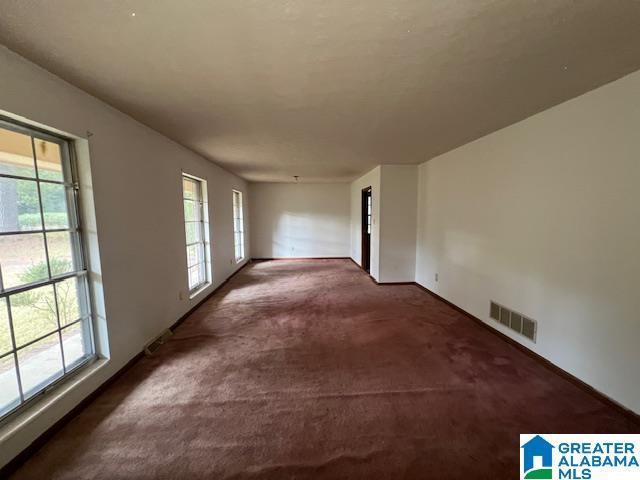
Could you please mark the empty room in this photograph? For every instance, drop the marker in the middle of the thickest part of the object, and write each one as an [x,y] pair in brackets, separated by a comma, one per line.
[319,239]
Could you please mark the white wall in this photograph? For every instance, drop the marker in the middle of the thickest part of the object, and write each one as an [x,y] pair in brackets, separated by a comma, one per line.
[299,220]
[370,179]
[544,217]
[139,219]
[398,217]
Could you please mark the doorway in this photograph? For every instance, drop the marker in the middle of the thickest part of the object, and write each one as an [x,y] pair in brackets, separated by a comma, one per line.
[366,228]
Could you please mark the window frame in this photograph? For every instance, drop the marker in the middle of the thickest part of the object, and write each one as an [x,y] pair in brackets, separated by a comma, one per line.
[80,270]
[203,229]
[238,226]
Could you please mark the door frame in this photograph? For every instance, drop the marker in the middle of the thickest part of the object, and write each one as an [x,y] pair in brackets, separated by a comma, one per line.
[365,238]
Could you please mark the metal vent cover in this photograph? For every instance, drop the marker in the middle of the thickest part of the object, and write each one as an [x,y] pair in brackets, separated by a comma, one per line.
[515,321]
[529,328]
[505,316]
[495,311]
[152,347]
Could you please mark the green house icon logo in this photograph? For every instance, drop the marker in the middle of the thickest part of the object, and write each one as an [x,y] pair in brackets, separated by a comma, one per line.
[538,447]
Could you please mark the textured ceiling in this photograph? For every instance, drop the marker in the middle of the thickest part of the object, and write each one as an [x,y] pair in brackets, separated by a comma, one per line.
[327,89]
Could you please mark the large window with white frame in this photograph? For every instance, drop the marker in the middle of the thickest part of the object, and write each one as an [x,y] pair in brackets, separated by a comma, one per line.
[238,225]
[45,318]
[196,224]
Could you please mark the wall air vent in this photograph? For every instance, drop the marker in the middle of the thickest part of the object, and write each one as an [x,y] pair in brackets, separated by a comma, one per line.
[514,320]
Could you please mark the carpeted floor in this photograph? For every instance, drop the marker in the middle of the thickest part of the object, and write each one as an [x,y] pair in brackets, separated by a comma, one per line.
[307,369]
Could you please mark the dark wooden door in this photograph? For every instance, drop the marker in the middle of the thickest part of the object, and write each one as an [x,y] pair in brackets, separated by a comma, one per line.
[366,228]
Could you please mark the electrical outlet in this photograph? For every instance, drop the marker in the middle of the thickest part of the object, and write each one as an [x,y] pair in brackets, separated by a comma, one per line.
[436,277]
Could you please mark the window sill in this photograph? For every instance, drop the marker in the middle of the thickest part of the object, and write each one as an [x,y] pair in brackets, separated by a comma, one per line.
[199,290]
[17,423]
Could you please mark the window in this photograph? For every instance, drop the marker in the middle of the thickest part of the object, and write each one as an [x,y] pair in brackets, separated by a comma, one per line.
[45,319]
[196,226]
[369,213]
[238,225]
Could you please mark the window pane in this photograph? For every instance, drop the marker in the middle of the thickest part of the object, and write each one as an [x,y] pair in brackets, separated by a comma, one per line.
[49,160]
[33,313]
[194,254]
[196,276]
[23,259]
[201,273]
[193,231]
[61,252]
[9,393]
[54,205]
[40,364]
[19,205]
[190,188]
[191,211]
[16,154]
[71,300]
[5,333]
[193,276]
[76,343]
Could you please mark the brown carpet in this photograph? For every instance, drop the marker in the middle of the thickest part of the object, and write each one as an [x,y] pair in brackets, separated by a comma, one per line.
[306,369]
